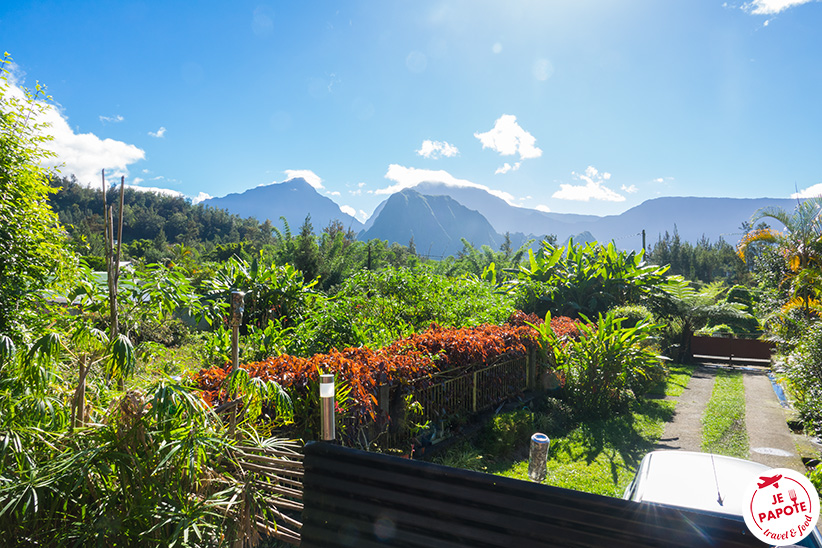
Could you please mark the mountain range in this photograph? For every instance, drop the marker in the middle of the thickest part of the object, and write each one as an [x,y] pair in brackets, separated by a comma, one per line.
[437,216]
[294,199]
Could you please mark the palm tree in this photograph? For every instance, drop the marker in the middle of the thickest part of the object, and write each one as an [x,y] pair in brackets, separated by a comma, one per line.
[799,245]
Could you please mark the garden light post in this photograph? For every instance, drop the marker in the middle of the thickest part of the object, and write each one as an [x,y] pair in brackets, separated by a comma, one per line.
[235,322]
[327,407]
[538,459]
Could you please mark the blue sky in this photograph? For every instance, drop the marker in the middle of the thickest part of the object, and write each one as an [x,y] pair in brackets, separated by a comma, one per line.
[568,106]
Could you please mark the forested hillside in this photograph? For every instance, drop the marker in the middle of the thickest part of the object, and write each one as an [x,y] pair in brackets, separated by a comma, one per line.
[151,222]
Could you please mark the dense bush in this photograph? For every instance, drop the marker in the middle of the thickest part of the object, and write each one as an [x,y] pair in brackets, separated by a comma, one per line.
[633,314]
[506,432]
[607,365]
[396,302]
[803,369]
[575,279]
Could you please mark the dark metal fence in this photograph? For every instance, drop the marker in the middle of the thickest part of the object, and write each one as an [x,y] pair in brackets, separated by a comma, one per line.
[731,350]
[355,498]
[452,396]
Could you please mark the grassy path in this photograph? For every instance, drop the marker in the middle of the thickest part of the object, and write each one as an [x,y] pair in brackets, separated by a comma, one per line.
[723,423]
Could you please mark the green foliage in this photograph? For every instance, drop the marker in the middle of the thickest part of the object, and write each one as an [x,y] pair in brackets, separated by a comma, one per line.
[608,365]
[794,267]
[147,215]
[586,279]
[132,480]
[506,432]
[704,261]
[632,314]
[687,310]
[803,370]
[33,253]
[395,302]
[273,292]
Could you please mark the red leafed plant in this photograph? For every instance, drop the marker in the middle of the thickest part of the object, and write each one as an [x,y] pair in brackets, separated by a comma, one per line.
[408,359]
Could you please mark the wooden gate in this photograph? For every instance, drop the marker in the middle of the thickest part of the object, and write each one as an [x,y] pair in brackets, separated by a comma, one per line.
[730,350]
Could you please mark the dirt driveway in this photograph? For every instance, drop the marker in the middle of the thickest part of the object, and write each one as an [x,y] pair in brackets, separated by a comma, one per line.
[771,441]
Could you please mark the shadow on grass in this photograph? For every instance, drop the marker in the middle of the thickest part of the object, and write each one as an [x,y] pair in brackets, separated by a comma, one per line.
[629,436]
[621,439]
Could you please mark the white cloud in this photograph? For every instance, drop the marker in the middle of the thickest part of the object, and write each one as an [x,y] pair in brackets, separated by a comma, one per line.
[160,133]
[593,189]
[362,215]
[111,119]
[497,47]
[348,210]
[768,7]
[164,191]
[137,180]
[357,192]
[84,155]
[629,189]
[506,167]
[332,193]
[310,177]
[360,185]
[508,138]
[167,192]
[436,149]
[543,208]
[407,177]
[810,192]
[202,196]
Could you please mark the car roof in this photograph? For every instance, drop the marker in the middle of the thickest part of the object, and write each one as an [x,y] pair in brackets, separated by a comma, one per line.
[689,479]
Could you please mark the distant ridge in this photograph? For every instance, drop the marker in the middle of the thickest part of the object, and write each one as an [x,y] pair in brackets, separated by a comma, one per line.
[293,199]
[691,217]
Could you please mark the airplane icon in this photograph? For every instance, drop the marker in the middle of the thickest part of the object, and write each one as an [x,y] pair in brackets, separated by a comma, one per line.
[766,481]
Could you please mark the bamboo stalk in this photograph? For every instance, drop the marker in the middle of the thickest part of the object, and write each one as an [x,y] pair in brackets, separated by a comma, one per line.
[281,503]
[290,521]
[271,470]
[260,459]
[279,532]
[278,489]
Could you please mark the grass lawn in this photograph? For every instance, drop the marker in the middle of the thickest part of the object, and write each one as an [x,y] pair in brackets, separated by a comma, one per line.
[723,423]
[596,456]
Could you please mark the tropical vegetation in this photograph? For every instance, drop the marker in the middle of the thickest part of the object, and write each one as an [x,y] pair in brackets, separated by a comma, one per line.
[109,393]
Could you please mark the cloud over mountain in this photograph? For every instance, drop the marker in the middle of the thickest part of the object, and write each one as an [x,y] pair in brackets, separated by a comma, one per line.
[593,189]
[407,177]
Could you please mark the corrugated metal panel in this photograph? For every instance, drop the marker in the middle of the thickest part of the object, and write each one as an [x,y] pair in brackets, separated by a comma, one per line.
[354,498]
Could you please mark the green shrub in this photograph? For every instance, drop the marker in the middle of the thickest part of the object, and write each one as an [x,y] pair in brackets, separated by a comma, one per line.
[721,329]
[553,417]
[507,431]
[803,370]
[608,365]
[632,314]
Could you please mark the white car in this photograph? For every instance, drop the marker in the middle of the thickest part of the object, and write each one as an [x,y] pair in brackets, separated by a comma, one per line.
[699,481]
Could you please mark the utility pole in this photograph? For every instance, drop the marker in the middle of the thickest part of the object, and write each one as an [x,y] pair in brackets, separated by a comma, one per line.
[643,239]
